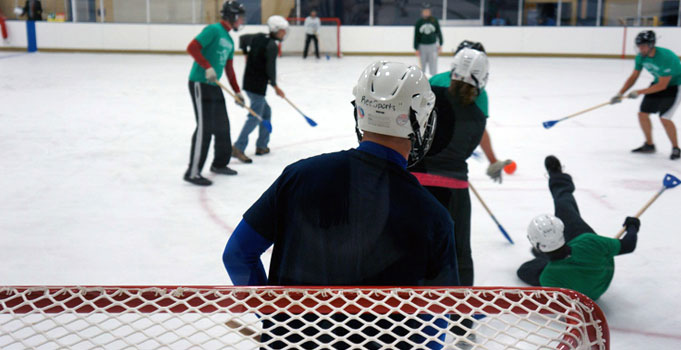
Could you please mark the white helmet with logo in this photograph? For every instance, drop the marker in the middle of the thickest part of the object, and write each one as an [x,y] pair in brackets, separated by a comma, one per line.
[277,23]
[546,233]
[394,99]
[471,67]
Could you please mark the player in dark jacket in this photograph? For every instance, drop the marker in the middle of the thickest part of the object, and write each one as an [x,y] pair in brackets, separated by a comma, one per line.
[444,170]
[261,70]
[568,252]
[355,217]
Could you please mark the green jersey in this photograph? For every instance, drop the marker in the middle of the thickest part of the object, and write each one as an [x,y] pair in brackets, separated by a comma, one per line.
[665,63]
[427,31]
[588,269]
[217,48]
[444,80]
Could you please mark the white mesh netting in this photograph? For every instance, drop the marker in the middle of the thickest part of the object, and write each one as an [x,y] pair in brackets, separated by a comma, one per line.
[297,318]
[328,38]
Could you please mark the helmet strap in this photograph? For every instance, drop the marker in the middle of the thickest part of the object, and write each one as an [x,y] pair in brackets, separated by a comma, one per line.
[358,132]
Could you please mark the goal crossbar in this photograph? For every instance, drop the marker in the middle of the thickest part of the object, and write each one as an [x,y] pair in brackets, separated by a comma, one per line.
[550,318]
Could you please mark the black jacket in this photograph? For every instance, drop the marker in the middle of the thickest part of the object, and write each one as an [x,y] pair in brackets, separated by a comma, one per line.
[33,10]
[261,67]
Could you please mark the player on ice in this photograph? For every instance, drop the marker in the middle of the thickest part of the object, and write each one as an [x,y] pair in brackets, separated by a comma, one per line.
[444,79]
[356,217]
[662,96]
[568,254]
[213,50]
[444,171]
[261,69]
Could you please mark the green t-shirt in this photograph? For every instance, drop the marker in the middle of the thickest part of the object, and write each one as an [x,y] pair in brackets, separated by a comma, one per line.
[444,80]
[664,64]
[588,269]
[217,48]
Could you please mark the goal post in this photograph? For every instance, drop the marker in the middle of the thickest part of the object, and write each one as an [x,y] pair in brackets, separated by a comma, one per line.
[328,37]
[210,317]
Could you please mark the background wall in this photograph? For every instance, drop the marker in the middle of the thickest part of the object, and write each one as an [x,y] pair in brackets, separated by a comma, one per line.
[377,40]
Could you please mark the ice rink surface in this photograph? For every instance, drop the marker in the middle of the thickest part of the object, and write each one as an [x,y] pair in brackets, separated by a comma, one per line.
[94,147]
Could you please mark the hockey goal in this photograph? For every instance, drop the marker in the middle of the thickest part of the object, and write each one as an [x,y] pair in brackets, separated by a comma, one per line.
[328,37]
[302,318]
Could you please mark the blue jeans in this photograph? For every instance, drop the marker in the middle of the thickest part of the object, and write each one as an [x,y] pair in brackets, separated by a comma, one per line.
[258,105]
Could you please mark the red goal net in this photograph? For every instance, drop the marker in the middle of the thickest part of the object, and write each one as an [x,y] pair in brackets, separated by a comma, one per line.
[109,317]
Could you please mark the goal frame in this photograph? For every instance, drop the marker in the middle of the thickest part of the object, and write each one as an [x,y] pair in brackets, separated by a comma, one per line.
[18,300]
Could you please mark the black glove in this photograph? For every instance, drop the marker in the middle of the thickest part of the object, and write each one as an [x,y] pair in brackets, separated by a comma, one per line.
[632,221]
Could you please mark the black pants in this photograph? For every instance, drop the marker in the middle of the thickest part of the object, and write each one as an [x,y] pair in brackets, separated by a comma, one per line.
[211,120]
[308,38]
[566,209]
[458,204]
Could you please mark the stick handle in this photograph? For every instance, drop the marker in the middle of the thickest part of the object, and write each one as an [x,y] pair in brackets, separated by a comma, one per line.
[586,110]
[640,212]
[294,106]
[234,96]
[470,185]
[243,330]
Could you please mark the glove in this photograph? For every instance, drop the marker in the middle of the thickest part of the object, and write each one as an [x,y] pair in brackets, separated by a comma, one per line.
[616,99]
[494,169]
[632,221]
[240,100]
[211,76]
[632,95]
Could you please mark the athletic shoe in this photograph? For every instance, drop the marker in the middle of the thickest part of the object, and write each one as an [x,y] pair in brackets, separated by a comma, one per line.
[676,153]
[198,180]
[238,154]
[223,170]
[552,165]
[261,151]
[646,148]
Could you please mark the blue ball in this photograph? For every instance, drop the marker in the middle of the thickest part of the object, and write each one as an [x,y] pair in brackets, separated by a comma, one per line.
[328,57]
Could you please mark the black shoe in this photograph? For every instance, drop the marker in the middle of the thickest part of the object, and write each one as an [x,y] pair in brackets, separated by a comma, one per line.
[552,165]
[198,180]
[223,170]
[261,151]
[676,153]
[646,148]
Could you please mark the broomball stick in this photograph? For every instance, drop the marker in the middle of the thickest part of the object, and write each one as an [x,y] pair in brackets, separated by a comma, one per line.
[265,123]
[550,123]
[669,181]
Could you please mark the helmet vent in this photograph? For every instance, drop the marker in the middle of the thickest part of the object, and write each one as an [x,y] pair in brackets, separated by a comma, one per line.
[372,87]
[394,91]
[404,75]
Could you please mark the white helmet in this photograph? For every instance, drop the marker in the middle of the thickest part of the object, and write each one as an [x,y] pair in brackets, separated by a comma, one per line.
[546,233]
[394,99]
[471,67]
[277,23]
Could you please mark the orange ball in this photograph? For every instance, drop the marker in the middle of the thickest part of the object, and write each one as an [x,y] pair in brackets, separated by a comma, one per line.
[510,168]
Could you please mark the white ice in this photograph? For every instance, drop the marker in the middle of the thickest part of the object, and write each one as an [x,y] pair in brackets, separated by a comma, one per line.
[94,147]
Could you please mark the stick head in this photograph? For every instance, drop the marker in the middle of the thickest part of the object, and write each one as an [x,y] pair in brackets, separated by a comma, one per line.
[549,123]
[503,232]
[267,125]
[310,121]
[670,181]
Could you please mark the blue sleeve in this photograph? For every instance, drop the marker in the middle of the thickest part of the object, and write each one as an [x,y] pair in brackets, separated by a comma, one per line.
[242,256]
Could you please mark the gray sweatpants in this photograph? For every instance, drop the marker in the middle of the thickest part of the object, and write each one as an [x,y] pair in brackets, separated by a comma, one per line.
[428,56]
